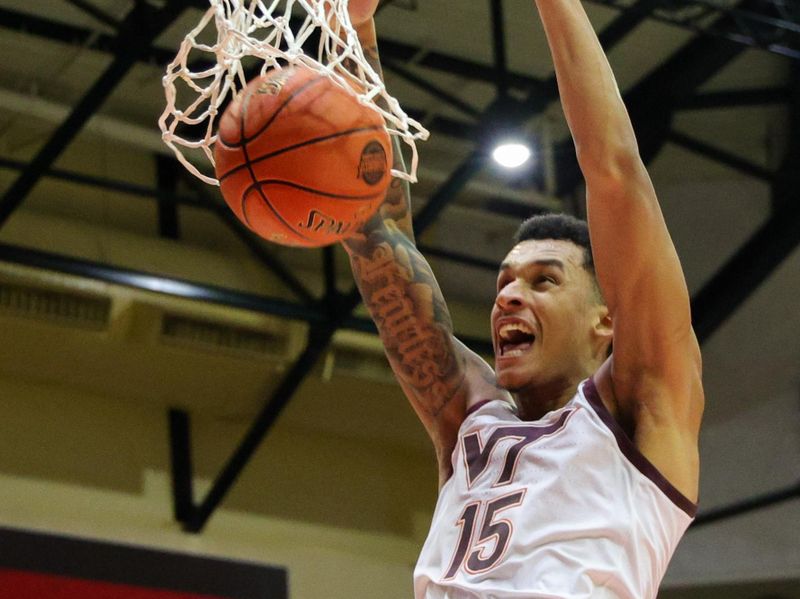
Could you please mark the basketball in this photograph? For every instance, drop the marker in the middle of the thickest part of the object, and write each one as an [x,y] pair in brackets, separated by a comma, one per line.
[299,160]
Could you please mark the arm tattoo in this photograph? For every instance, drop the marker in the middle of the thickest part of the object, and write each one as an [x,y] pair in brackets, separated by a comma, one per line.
[404,300]
[402,296]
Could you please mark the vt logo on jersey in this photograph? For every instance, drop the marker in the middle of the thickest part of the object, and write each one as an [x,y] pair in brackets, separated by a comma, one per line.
[477,455]
[484,536]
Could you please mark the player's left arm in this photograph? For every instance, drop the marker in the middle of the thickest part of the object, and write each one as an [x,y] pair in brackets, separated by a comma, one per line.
[654,374]
[396,204]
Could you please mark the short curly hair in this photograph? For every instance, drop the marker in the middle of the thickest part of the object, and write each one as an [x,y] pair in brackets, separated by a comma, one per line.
[558,226]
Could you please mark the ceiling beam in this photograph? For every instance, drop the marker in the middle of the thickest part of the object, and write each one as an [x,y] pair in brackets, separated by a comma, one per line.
[735,98]
[142,25]
[748,268]
[500,114]
[112,185]
[626,22]
[447,63]
[766,25]
[319,338]
[201,199]
[402,71]
[613,34]
[191,290]
[170,286]
[96,13]
[719,155]
[772,242]
[329,272]
[745,506]
[167,177]
[392,49]
[499,56]
[74,35]
[651,102]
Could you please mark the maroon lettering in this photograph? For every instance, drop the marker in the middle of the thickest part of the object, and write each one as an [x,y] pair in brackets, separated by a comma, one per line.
[489,545]
[499,531]
[467,523]
[477,456]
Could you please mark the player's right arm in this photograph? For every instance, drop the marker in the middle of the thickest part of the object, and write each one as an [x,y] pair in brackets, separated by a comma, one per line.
[403,298]
[438,374]
[654,375]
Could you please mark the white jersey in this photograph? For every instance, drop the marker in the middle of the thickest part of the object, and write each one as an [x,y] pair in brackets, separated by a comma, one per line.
[562,508]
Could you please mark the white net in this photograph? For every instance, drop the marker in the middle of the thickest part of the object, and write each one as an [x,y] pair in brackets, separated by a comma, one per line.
[252,37]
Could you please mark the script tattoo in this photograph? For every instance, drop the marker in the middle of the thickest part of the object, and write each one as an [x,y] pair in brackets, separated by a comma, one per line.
[401,293]
[417,336]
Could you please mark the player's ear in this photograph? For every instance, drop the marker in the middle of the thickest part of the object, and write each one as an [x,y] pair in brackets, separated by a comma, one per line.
[603,327]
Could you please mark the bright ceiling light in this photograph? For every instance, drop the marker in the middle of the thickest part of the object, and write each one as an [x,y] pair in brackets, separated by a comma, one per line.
[511,154]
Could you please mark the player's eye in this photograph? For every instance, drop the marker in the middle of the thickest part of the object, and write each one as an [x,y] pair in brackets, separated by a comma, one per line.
[545,279]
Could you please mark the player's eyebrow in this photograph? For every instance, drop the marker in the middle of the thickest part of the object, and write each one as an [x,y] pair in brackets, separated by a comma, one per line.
[543,262]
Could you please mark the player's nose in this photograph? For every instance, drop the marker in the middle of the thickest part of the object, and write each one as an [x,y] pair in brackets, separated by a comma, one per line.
[510,297]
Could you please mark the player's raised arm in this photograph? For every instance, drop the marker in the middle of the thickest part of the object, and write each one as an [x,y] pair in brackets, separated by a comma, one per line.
[654,374]
[396,205]
[438,374]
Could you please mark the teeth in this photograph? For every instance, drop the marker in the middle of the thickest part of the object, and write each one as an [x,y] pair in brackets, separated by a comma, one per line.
[513,353]
[516,326]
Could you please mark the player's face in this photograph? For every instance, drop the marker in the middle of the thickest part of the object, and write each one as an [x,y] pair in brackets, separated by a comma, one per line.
[544,316]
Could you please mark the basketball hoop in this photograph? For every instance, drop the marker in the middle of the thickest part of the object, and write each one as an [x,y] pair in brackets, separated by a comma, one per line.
[204,75]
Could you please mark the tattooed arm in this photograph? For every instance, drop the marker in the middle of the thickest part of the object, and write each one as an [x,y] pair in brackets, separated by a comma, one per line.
[396,204]
[438,374]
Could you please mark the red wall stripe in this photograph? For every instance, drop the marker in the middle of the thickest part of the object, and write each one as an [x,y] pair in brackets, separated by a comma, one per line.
[18,584]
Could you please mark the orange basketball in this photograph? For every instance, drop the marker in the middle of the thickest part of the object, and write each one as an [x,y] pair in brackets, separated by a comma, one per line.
[299,160]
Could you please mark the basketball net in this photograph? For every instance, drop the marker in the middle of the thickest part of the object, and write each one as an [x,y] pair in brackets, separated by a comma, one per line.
[203,75]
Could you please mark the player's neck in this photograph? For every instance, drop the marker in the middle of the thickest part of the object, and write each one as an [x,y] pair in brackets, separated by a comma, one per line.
[537,400]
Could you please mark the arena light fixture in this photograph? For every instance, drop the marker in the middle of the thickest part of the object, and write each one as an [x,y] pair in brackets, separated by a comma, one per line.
[511,154]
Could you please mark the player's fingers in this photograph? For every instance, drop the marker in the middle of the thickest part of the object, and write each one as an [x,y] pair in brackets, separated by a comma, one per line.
[361,11]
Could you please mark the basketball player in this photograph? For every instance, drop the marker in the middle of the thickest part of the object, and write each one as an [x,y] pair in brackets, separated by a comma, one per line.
[567,472]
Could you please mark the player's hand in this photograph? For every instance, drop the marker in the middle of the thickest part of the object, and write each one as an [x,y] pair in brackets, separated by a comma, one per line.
[361,11]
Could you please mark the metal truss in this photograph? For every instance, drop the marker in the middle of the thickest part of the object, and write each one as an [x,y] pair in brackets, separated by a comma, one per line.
[746,506]
[137,32]
[772,25]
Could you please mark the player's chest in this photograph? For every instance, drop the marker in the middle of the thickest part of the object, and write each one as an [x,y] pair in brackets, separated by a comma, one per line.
[504,453]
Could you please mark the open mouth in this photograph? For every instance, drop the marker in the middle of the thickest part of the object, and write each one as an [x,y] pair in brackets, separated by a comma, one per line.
[514,339]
